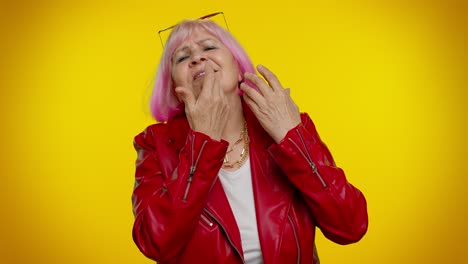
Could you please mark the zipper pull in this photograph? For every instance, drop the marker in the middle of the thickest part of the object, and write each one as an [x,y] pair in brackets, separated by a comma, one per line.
[315,170]
[189,182]
[192,171]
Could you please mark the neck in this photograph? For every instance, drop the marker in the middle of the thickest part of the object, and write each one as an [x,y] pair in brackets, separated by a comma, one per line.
[235,123]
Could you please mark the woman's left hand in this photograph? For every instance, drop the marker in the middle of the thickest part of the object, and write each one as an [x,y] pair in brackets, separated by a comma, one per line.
[271,104]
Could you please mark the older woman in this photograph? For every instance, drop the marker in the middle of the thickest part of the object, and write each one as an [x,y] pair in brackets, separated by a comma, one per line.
[234,173]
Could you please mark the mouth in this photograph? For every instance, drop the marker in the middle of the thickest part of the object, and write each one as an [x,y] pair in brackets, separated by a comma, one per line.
[198,75]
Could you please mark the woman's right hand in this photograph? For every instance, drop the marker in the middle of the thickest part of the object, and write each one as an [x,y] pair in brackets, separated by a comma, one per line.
[207,113]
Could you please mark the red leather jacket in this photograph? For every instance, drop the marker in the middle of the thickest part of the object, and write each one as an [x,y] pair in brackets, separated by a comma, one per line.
[183,216]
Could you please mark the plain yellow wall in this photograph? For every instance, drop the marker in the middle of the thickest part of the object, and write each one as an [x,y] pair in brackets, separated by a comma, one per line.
[385,83]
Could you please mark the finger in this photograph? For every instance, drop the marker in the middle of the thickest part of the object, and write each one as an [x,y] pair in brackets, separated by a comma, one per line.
[251,103]
[216,84]
[186,95]
[270,77]
[258,82]
[208,81]
[252,94]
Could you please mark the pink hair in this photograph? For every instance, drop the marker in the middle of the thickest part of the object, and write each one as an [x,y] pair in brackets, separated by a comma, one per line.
[163,102]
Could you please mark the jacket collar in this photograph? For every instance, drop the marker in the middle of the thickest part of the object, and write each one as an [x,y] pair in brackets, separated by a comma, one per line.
[178,128]
[177,131]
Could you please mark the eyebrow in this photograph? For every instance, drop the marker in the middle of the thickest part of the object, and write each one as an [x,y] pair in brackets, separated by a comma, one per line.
[186,47]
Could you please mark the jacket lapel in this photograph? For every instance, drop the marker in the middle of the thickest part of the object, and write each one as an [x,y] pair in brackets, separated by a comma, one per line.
[272,191]
[218,206]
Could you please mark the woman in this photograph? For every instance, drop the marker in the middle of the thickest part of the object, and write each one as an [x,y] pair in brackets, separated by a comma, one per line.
[235,174]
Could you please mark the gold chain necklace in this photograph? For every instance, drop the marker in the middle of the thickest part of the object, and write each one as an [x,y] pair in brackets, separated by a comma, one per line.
[244,153]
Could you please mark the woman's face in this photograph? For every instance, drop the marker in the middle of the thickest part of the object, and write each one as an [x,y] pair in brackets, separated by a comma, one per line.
[190,58]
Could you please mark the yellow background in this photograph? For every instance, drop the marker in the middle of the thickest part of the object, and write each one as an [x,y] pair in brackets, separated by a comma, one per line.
[384,81]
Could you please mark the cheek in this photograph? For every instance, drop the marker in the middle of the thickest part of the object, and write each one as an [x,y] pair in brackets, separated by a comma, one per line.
[177,77]
[236,69]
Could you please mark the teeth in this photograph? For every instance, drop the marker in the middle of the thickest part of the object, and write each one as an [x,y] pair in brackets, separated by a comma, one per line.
[200,74]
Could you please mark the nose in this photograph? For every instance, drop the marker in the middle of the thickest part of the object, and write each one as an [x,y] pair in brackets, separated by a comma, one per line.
[197,59]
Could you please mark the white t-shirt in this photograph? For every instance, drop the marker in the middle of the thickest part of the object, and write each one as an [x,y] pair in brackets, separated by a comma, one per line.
[238,188]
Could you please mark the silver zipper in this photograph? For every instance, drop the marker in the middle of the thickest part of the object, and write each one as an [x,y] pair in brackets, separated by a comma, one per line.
[297,240]
[206,220]
[308,158]
[316,257]
[193,167]
[224,229]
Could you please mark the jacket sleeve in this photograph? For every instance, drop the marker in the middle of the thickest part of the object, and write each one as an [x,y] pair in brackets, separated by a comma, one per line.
[338,207]
[167,207]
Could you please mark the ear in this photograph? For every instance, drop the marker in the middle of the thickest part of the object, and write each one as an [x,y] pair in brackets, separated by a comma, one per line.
[240,76]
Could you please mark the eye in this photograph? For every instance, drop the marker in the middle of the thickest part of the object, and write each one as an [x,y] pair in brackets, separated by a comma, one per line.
[209,48]
[181,59]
